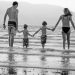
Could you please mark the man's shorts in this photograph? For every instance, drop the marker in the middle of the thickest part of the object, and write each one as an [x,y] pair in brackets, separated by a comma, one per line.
[43,39]
[25,41]
[12,27]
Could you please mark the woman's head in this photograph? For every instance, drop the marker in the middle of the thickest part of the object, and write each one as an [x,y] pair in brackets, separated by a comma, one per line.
[67,12]
[44,23]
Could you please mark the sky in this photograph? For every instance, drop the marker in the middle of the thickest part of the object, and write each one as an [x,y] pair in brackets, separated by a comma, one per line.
[35,11]
[63,3]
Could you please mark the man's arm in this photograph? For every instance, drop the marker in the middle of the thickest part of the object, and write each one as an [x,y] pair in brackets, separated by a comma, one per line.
[17,19]
[72,23]
[5,19]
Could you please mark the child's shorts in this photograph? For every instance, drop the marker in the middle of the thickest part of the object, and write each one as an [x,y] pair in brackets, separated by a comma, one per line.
[43,39]
[25,41]
[11,71]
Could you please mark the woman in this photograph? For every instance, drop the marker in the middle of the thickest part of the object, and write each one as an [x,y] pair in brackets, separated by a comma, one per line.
[66,19]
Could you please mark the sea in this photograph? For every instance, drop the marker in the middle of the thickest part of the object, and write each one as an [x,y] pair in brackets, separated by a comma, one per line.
[52,60]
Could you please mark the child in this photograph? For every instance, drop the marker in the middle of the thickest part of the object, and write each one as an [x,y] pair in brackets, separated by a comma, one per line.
[43,36]
[25,36]
[66,19]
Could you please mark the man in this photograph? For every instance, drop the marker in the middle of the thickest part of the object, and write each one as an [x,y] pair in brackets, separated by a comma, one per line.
[12,14]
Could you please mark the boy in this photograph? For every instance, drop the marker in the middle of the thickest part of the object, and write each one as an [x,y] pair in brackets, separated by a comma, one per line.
[43,36]
[25,36]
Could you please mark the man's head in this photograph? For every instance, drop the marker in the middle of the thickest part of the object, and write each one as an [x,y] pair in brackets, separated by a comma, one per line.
[15,4]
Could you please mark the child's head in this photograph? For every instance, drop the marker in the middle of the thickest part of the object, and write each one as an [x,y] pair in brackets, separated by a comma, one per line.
[25,26]
[44,23]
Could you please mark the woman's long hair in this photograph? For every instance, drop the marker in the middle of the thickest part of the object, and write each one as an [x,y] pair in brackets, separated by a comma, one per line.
[69,13]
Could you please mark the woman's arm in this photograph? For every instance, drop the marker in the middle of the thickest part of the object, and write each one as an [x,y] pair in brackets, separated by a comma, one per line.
[57,23]
[72,23]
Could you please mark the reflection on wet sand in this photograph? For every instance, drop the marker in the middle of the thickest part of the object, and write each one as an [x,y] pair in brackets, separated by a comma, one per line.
[39,62]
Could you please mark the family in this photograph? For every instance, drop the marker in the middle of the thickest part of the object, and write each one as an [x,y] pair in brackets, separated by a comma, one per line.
[66,19]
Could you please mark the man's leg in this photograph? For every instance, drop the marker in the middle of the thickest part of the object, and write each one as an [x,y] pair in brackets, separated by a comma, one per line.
[13,33]
[12,40]
[9,32]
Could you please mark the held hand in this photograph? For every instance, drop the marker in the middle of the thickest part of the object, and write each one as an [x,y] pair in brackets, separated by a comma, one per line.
[17,30]
[33,35]
[74,28]
[4,26]
[53,29]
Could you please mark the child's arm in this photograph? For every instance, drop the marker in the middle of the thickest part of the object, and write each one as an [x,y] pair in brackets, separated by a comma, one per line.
[20,31]
[30,34]
[57,24]
[48,28]
[36,31]
[72,23]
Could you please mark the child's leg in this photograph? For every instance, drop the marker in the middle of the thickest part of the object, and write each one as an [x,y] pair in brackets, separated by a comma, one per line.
[64,39]
[43,46]
[43,41]
[26,42]
[23,42]
[68,40]
[26,45]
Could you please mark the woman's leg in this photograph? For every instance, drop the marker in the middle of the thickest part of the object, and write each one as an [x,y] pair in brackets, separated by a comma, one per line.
[68,39]
[64,39]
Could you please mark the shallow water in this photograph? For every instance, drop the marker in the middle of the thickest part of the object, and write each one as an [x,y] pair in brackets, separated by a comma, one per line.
[34,61]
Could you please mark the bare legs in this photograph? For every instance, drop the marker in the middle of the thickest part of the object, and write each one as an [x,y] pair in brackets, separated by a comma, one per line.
[64,35]
[11,31]
[43,46]
[68,40]
[11,40]
[64,39]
